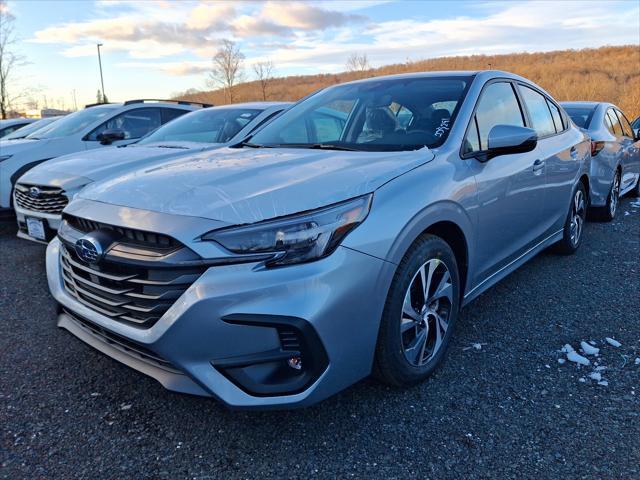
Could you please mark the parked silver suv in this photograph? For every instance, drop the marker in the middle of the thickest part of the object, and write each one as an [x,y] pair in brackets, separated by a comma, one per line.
[341,239]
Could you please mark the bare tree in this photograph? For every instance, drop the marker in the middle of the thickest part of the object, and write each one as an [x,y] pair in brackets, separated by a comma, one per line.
[263,71]
[9,60]
[227,68]
[358,63]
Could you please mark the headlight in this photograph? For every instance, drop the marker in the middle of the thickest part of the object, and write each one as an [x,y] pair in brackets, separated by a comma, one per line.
[5,157]
[298,238]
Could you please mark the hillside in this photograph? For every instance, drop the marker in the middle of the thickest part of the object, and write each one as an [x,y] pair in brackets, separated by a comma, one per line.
[605,74]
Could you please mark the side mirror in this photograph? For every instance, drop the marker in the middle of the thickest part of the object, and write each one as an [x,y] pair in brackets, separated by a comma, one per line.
[636,135]
[109,136]
[510,139]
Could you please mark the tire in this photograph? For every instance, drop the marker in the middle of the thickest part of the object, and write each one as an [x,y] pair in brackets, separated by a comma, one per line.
[608,212]
[636,190]
[574,224]
[403,359]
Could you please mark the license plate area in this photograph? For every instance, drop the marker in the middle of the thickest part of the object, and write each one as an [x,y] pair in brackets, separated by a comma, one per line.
[35,228]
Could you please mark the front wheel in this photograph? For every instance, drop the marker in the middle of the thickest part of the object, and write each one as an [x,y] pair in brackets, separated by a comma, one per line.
[574,224]
[420,313]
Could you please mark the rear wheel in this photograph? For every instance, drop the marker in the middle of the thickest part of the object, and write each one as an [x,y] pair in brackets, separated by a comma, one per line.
[636,191]
[574,224]
[420,313]
[608,212]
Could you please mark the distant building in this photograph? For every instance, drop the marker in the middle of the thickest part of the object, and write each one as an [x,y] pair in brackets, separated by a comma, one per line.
[52,112]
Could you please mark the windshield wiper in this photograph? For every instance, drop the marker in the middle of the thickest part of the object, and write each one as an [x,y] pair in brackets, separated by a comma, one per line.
[318,146]
[173,146]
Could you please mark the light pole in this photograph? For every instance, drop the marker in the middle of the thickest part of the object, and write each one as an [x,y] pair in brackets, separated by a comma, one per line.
[101,79]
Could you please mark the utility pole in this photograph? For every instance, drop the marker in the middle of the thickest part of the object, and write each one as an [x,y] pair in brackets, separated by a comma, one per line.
[75,102]
[101,79]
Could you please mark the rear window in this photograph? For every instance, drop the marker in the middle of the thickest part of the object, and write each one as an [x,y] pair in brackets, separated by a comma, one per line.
[581,116]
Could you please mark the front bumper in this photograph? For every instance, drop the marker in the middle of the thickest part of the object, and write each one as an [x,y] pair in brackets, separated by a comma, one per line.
[340,299]
[51,223]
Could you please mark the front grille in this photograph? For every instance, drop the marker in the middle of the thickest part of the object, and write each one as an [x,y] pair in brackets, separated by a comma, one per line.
[126,292]
[40,199]
[131,235]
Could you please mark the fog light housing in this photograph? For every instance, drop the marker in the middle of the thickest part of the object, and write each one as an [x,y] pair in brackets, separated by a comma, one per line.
[287,370]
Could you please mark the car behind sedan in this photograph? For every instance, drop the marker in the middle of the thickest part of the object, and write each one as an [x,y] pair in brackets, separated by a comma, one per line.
[340,239]
[615,152]
[41,194]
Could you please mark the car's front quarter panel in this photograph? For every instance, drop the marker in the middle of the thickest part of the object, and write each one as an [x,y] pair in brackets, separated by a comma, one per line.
[443,190]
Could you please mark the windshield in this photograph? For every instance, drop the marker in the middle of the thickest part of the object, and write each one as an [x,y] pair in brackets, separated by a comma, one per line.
[29,129]
[581,116]
[72,123]
[211,125]
[376,115]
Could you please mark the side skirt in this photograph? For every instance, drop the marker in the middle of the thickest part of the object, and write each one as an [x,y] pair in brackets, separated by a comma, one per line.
[494,278]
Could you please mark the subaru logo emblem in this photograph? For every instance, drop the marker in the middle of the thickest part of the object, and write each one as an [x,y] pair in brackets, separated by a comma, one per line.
[34,192]
[89,249]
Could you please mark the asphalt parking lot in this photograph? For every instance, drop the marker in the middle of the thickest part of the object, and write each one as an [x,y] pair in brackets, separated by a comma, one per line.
[502,408]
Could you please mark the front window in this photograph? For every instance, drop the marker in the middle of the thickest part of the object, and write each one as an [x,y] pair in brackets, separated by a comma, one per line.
[375,115]
[217,125]
[72,123]
[134,123]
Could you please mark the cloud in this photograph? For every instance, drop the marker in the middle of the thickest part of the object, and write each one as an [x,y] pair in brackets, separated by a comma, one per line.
[210,16]
[304,16]
[172,68]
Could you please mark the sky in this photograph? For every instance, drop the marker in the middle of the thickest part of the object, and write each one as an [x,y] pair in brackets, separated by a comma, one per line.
[155,48]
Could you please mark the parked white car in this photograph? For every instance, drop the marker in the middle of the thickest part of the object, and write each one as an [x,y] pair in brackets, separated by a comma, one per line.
[10,125]
[23,132]
[41,194]
[93,127]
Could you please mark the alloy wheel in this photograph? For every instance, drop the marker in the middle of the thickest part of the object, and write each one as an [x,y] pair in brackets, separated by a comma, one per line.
[426,311]
[615,195]
[578,212]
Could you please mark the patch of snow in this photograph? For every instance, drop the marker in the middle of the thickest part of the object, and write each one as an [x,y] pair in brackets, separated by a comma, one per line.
[582,379]
[562,360]
[612,342]
[126,406]
[637,361]
[567,348]
[589,349]
[604,383]
[577,358]
[600,368]
[595,376]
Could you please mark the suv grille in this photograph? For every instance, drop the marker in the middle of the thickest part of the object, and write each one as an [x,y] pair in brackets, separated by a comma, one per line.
[48,200]
[127,289]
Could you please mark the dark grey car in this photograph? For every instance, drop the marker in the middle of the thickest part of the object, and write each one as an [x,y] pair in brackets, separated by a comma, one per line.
[615,152]
[340,239]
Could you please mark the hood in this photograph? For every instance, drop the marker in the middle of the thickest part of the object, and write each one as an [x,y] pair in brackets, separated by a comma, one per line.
[93,165]
[11,147]
[248,185]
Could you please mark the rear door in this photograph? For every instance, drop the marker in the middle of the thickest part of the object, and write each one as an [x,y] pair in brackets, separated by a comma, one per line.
[511,188]
[630,153]
[556,150]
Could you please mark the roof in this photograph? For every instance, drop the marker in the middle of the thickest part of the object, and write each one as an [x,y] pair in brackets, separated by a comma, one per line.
[584,104]
[261,105]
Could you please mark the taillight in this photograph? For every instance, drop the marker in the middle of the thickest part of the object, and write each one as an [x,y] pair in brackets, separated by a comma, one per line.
[596,147]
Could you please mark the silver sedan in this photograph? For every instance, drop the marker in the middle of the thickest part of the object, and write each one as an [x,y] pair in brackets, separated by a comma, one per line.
[615,154]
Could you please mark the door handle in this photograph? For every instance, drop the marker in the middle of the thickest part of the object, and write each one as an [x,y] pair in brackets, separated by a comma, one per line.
[538,165]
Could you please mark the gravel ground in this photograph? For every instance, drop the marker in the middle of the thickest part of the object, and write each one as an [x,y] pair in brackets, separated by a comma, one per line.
[508,409]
